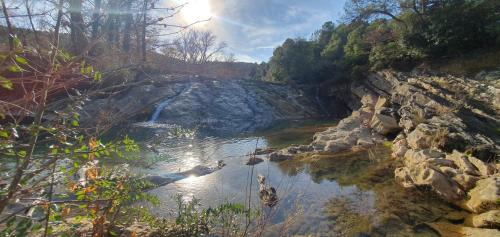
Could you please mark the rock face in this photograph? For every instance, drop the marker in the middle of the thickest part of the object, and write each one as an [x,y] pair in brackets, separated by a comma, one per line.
[447,141]
[220,106]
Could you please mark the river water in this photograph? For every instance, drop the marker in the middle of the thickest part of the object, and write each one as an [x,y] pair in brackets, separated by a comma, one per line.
[347,194]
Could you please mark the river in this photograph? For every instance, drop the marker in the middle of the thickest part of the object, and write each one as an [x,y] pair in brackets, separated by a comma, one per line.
[347,194]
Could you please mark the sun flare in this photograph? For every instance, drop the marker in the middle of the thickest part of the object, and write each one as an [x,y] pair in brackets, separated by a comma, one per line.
[196,10]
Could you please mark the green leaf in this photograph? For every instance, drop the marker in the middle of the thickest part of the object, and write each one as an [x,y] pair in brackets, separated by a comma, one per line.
[97,76]
[74,123]
[14,68]
[54,151]
[5,83]
[22,153]
[17,41]
[4,134]
[21,60]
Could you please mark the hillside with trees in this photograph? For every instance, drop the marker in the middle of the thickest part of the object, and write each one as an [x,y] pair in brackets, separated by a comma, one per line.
[397,34]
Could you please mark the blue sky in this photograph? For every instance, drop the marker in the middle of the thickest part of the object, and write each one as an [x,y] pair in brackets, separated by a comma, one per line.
[253,28]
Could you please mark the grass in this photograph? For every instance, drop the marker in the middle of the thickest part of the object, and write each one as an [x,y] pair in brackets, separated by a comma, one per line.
[470,64]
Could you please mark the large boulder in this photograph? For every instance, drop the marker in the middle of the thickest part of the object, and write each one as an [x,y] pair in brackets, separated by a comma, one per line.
[490,219]
[485,195]
[425,175]
[463,163]
[384,124]
[352,133]
[422,137]
[399,146]
[471,165]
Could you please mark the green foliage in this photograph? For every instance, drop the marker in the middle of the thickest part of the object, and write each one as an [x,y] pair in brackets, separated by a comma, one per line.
[392,54]
[386,34]
[192,220]
[294,61]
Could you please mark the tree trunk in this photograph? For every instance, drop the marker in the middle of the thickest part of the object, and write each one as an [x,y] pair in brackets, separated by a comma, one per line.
[28,11]
[144,26]
[96,19]
[128,25]
[113,21]
[77,26]
[10,31]
[57,28]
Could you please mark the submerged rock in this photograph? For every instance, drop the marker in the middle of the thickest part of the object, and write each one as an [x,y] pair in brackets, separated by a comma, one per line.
[280,155]
[260,151]
[254,161]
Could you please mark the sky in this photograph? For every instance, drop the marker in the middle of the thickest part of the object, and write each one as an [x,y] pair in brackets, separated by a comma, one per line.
[253,28]
[250,28]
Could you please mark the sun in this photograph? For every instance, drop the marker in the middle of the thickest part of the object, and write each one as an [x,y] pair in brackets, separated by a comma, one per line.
[196,10]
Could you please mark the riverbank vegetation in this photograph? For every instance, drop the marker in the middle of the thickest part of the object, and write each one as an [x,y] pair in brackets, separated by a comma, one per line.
[396,34]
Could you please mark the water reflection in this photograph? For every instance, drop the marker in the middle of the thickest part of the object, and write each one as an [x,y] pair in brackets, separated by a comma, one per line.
[324,194]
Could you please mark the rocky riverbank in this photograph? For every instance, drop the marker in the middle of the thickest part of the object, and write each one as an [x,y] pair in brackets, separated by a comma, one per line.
[444,133]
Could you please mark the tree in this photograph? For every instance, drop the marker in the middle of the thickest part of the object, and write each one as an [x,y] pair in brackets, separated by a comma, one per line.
[96,18]
[77,26]
[195,46]
[10,30]
[296,61]
[368,9]
[127,29]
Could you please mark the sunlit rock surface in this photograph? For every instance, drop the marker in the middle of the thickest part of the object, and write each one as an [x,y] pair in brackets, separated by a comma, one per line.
[447,142]
[224,106]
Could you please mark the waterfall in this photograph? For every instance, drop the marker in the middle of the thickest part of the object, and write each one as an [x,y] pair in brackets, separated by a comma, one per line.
[165,103]
[160,107]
